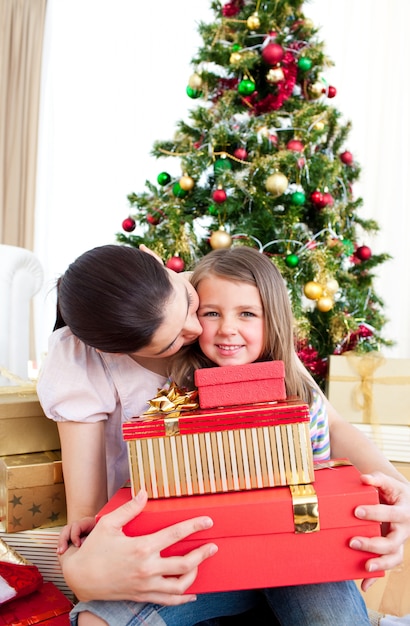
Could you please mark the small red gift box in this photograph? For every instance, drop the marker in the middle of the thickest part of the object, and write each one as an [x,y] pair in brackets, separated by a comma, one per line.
[48,607]
[232,385]
[256,532]
[228,449]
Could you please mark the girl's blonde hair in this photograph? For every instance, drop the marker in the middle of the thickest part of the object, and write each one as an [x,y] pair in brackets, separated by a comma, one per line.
[244,264]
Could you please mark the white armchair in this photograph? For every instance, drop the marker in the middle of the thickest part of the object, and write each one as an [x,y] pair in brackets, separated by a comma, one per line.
[21,277]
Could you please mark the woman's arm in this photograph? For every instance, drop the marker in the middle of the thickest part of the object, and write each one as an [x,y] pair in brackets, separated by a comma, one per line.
[84,467]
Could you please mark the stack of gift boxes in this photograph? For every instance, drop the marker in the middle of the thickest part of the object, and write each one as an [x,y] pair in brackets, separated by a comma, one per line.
[32,511]
[244,458]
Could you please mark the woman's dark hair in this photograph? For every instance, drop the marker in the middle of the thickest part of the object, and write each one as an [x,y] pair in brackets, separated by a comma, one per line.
[113,298]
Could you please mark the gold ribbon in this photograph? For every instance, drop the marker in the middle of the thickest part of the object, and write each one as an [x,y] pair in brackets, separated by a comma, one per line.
[168,405]
[9,555]
[365,366]
[305,508]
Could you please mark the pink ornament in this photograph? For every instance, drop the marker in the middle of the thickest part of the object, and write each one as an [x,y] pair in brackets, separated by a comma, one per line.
[241,154]
[295,145]
[273,53]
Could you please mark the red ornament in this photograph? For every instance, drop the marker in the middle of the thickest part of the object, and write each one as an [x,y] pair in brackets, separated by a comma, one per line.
[230,9]
[128,224]
[346,157]
[241,154]
[176,264]
[317,197]
[219,196]
[295,145]
[363,253]
[155,217]
[330,91]
[273,53]
[328,199]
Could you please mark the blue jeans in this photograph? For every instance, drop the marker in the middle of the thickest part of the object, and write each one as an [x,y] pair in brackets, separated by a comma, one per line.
[327,604]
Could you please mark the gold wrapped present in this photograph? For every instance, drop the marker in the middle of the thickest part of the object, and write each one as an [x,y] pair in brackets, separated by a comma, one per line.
[370,389]
[181,452]
[31,491]
[23,426]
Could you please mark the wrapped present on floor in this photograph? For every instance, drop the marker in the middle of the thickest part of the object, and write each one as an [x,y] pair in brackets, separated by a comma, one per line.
[31,491]
[234,385]
[177,450]
[23,426]
[47,606]
[370,389]
[37,547]
[270,537]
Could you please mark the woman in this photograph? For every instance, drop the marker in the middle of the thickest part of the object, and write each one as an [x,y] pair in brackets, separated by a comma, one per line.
[100,370]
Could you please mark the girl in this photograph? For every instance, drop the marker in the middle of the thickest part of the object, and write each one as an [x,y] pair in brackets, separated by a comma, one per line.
[125,314]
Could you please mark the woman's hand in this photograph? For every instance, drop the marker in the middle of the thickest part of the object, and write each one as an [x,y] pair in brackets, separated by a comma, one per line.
[111,566]
[394,514]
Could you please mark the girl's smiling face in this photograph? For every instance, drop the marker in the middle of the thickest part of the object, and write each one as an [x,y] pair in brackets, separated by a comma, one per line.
[232,319]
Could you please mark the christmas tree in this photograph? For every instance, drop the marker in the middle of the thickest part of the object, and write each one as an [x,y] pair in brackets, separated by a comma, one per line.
[265,163]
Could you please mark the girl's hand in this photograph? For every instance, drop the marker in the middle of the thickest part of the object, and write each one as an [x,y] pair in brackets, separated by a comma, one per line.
[393,513]
[111,566]
[75,533]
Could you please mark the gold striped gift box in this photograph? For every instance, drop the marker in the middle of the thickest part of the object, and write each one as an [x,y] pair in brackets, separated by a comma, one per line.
[220,450]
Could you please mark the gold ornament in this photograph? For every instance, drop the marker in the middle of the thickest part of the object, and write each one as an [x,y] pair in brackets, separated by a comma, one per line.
[308,24]
[220,239]
[235,58]
[195,81]
[275,75]
[316,90]
[186,182]
[312,290]
[319,126]
[325,304]
[253,22]
[332,286]
[276,183]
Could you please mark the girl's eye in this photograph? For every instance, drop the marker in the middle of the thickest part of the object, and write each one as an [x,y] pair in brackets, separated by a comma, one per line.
[210,314]
[248,314]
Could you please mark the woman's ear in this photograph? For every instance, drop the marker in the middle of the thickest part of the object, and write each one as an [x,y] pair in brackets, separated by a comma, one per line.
[144,248]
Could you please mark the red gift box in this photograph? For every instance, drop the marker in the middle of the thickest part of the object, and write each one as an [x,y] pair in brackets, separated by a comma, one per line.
[232,385]
[219,450]
[48,607]
[255,532]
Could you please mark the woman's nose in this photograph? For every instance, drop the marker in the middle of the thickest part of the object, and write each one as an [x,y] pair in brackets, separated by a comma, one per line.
[192,327]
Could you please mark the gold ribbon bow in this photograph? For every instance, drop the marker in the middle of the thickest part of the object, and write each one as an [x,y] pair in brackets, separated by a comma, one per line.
[171,402]
[365,366]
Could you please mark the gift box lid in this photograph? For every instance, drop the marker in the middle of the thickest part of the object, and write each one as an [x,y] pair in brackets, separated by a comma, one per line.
[18,471]
[239,373]
[290,411]
[23,425]
[257,512]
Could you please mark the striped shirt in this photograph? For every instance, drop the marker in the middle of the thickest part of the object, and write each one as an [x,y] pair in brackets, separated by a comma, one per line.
[319,429]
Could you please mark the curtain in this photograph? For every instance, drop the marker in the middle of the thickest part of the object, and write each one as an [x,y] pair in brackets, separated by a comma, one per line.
[21,37]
